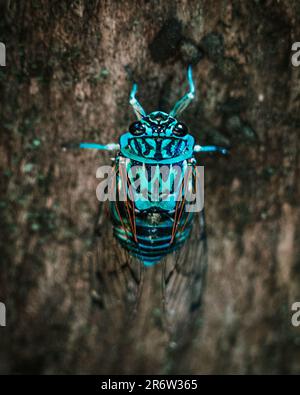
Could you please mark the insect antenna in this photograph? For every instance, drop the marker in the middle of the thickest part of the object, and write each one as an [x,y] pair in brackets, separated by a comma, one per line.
[138,109]
[182,103]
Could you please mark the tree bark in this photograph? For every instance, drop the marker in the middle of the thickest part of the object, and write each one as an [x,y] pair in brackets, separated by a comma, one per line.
[68,75]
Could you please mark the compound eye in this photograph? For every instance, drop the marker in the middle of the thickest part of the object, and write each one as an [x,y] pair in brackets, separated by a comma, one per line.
[180,129]
[137,128]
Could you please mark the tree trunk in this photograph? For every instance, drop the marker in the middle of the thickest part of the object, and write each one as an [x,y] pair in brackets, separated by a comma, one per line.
[68,74]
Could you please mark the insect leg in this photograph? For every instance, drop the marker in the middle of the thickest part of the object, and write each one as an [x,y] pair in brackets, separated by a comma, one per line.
[210,148]
[106,147]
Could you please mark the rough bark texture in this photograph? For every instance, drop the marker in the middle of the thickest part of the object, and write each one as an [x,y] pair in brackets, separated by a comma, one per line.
[68,79]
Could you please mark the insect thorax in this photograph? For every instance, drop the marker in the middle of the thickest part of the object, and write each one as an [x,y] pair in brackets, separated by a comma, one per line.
[157,138]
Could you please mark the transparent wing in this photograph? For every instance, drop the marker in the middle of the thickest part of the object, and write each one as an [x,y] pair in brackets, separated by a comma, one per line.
[183,280]
[116,276]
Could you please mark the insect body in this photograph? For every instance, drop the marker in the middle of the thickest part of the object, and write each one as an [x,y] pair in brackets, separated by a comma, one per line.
[153,226]
[155,149]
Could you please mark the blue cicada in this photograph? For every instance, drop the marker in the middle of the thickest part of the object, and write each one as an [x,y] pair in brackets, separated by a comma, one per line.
[155,230]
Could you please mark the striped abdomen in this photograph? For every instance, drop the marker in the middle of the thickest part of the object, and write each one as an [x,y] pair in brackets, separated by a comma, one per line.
[151,234]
